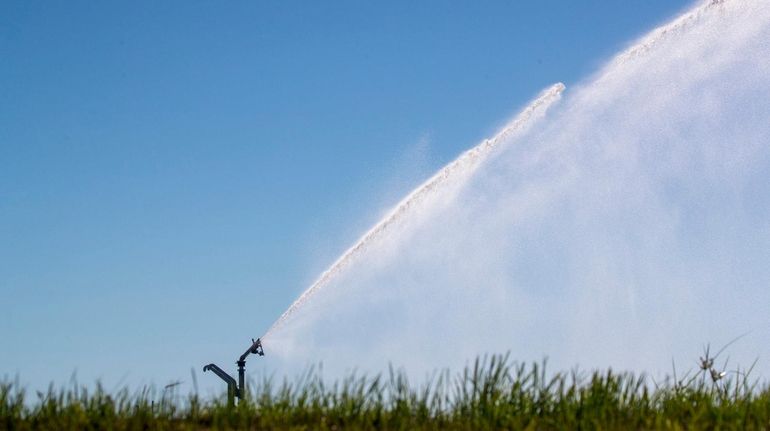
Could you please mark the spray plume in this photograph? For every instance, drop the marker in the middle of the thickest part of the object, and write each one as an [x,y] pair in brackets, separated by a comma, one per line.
[628,228]
[466,162]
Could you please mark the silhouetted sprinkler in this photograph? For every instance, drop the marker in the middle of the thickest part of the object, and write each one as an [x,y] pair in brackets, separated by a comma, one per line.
[237,389]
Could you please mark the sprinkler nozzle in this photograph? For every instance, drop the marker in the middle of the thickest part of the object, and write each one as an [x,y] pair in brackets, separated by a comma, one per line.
[256,347]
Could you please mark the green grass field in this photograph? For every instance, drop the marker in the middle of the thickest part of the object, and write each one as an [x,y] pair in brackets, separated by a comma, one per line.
[495,393]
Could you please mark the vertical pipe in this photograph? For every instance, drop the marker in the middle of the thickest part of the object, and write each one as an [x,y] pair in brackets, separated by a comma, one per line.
[231,395]
[241,385]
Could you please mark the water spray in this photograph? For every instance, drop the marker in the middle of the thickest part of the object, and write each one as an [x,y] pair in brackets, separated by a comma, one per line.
[466,163]
[237,389]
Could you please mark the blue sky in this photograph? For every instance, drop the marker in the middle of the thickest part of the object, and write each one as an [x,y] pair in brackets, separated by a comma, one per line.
[173,175]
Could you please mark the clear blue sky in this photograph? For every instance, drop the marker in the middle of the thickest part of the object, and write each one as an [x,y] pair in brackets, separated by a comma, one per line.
[174,174]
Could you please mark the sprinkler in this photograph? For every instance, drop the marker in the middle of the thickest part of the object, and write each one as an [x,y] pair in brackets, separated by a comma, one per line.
[237,389]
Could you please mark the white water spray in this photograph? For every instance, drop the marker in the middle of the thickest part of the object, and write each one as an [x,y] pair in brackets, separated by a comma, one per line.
[677,26]
[466,163]
[630,228]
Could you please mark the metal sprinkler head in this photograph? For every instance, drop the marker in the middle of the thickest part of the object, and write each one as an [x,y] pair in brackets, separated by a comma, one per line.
[256,348]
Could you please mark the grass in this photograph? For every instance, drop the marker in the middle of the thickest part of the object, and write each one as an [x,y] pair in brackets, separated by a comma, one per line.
[494,393]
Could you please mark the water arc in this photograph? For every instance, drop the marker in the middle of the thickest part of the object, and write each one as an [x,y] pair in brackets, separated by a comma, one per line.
[630,226]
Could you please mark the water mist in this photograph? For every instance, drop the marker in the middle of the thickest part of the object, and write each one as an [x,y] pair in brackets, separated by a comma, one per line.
[626,226]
